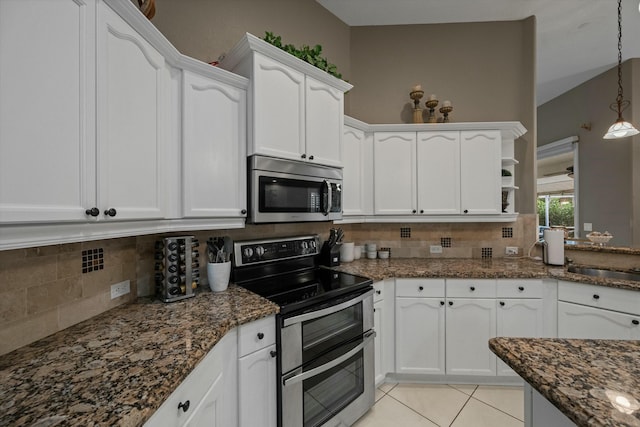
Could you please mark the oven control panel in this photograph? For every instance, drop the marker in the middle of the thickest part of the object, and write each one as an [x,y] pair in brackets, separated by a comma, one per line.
[259,251]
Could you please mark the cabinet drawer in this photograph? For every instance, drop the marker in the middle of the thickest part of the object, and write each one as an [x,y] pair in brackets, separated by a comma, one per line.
[256,335]
[378,291]
[519,288]
[615,299]
[428,288]
[471,288]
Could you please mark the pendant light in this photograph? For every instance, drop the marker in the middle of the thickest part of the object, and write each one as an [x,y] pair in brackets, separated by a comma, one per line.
[621,128]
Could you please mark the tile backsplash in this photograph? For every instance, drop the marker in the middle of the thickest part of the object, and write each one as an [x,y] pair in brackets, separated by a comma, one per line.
[44,290]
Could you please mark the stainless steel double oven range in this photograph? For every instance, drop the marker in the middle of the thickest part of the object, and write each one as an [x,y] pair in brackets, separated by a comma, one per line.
[324,338]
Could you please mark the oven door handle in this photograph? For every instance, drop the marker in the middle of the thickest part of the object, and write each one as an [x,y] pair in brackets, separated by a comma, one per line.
[335,362]
[326,311]
[328,198]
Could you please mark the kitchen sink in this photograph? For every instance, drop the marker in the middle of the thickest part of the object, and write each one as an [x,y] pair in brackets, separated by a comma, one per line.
[605,274]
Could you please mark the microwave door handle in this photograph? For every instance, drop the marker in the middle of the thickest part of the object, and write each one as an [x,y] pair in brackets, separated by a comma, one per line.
[327,196]
[326,311]
[335,362]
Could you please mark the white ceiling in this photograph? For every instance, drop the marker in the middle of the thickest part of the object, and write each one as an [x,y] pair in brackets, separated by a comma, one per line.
[576,39]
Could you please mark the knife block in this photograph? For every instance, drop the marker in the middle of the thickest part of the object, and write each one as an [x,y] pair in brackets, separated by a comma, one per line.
[330,255]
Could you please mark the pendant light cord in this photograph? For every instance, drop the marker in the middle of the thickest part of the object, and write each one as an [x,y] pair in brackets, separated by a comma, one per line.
[620,105]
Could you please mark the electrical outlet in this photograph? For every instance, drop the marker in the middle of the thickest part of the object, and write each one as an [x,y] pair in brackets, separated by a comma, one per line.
[511,250]
[435,249]
[119,289]
[588,226]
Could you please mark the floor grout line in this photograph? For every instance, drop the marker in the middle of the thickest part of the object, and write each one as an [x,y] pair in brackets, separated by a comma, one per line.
[461,409]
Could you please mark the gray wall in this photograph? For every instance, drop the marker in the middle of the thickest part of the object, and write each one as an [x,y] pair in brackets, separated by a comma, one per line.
[487,70]
[609,180]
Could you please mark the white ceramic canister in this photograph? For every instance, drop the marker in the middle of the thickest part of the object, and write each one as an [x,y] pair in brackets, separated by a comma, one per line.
[357,252]
[347,252]
[371,247]
[218,274]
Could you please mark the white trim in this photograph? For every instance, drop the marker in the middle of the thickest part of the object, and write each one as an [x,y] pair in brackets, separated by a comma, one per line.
[555,148]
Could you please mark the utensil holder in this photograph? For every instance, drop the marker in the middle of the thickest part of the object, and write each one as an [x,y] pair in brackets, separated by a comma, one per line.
[218,274]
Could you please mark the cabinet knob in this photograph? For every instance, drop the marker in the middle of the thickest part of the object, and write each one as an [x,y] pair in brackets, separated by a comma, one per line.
[421,211]
[304,156]
[450,303]
[311,157]
[184,406]
[521,288]
[421,288]
[441,302]
[110,212]
[413,211]
[378,292]
[635,322]
[466,211]
[260,335]
[243,211]
[273,353]
[596,296]
[93,211]
[473,288]
[501,303]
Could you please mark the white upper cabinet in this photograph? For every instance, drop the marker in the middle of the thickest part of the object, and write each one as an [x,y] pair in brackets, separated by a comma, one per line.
[394,173]
[213,149]
[132,117]
[295,110]
[480,178]
[357,175]
[47,108]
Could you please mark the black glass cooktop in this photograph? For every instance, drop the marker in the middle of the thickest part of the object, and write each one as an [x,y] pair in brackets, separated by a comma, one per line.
[303,289]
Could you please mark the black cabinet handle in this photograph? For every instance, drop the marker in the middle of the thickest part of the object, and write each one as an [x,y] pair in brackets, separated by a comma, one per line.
[93,211]
[273,353]
[421,288]
[635,322]
[596,296]
[304,156]
[243,211]
[413,211]
[260,335]
[421,211]
[310,157]
[441,302]
[501,303]
[473,288]
[466,211]
[378,292]
[184,406]
[450,303]
[521,288]
[110,212]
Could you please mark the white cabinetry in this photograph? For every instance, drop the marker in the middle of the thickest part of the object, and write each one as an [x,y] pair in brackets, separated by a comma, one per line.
[257,373]
[132,88]
[214,148]
[471,322]
[589,311]
[480,180]
[394,173]
[295,110]
[208,396]
[519,312]
[420,326]
[47,109]
[357,175]
[383,324]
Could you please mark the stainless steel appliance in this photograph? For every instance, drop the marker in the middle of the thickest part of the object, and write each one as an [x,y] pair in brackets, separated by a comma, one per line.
[177,268]
[292,191]
[324,330]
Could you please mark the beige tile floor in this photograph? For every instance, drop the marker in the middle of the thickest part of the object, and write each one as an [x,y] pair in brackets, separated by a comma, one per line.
[430,405]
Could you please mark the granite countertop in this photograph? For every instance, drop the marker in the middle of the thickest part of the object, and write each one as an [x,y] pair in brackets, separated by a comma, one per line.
[582,378]
[489,268]
[119,367]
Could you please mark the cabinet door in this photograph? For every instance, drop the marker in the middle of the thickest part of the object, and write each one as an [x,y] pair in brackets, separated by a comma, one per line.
[420,336]
[480,180]
[324,118]
[132,84]
[257,388]
[214,141]
[378,322]
[470,324]
[438,173]
[47,98]
[394,173]
[210,410]
[357,177]
[518,318]
[579,321]
[278,109]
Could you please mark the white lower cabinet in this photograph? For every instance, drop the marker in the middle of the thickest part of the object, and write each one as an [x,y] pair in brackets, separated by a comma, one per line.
[208,396]
[383,325]
[420,326]
[597,312]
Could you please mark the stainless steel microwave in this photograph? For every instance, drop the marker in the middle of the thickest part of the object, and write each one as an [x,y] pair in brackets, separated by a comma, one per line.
[283,190]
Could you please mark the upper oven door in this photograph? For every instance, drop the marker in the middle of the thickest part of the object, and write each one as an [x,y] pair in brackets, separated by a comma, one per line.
[288,191]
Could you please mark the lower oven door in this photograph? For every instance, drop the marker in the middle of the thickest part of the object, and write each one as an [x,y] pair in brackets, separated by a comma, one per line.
[335,389]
